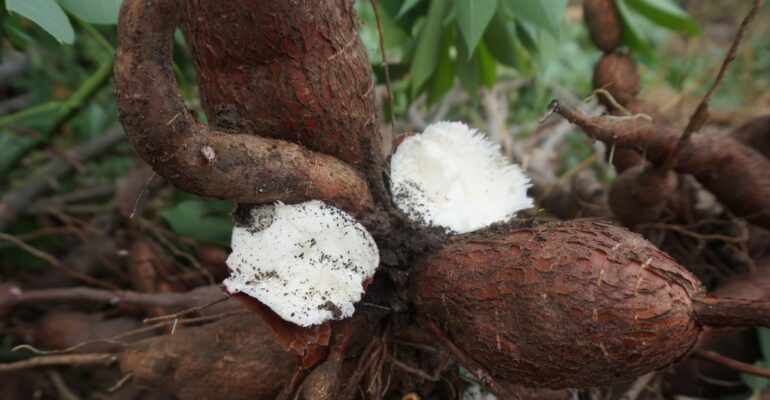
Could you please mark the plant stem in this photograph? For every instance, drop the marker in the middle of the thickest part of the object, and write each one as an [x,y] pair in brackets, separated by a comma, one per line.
[64,111]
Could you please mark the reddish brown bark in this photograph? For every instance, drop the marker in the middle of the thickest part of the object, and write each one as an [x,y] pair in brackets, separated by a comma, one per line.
[234,358]
[734,173]
[239,167]
[296,71]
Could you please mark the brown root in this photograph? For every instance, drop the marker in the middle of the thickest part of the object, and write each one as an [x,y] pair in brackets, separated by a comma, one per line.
[603,23]
[755,134]
[617,73]
[641,193]
[734,173]
[238,167]
[233,358]
[720,312]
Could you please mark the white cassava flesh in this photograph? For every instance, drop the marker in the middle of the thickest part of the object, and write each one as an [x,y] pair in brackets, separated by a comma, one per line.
[453,177]
[307,261]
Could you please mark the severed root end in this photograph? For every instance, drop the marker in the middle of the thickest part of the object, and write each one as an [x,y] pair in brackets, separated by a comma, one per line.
[722,312]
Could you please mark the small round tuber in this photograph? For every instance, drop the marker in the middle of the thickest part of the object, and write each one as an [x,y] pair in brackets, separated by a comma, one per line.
[617,73]
[568,304]
[641,192]
[603,23]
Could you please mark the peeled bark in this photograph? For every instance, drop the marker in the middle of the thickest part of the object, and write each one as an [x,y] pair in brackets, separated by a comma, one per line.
[240,167]
[734,173]
[233,358]
[567,304]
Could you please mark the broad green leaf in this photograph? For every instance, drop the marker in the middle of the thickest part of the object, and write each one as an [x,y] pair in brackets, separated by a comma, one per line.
[666,14]
[547,15]
[426,53]
[47,14]
[199,220]
[473,16]
[406,7]
[487,66]
[527,33]
[444,77]
[467,70]
[103,12]
[501,42]
[632,35]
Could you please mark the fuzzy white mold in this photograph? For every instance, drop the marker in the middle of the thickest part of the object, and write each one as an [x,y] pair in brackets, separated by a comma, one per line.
[307,261]
[453,177]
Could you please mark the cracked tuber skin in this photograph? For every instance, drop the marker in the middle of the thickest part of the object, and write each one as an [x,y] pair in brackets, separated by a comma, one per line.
[568,304]
[735,173]
[233,358]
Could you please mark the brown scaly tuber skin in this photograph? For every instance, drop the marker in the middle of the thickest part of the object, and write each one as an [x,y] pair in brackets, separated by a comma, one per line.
[286,70]
[603,23]
[734,173]
[640,193]
[617,73]
[239,167]
[233,358]
[568,304]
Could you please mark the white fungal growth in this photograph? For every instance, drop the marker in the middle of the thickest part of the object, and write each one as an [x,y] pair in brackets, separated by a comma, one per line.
[453,177]
[307,261]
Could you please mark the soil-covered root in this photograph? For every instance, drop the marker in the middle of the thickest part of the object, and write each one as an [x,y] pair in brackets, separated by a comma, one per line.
[603,23]
[567,304]
[233,358]
[66,329]
[617,74]
[641,193]
[735,173]
[238,167]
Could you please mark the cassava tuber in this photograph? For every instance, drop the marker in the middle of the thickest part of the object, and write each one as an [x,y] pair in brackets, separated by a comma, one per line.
[734,173]
[233,358]
[603,23]
[640,193]
[617,73]
[568,304]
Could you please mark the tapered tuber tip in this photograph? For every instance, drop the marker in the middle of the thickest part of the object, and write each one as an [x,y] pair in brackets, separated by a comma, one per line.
[723,312]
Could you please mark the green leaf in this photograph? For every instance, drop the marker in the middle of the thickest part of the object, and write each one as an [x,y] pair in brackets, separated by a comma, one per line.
[487,67]
[666,14]
[467,70]
[764,342]
[200,220]
[632,35]
[406,7]
[547,15]
[473,16]
[426,53]
[501,42]
[95,11]
[527,33]
[47,14]
[444,77]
